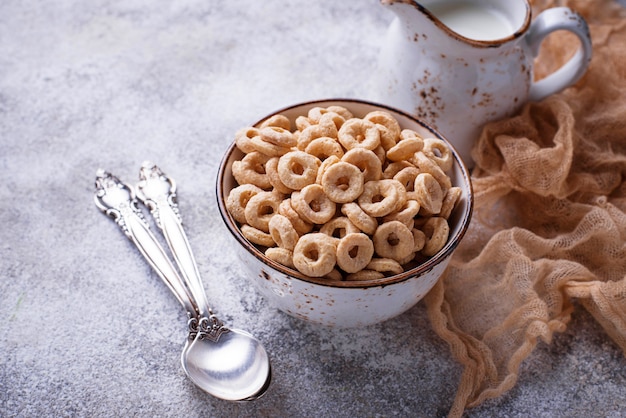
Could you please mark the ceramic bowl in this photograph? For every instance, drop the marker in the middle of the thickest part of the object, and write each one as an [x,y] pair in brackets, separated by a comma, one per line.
[345,303]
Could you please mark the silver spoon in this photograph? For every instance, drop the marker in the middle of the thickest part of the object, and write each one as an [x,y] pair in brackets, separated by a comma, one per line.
[228,364]
[252,377]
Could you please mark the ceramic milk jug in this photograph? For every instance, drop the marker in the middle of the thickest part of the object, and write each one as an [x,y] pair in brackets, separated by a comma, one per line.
[457,64]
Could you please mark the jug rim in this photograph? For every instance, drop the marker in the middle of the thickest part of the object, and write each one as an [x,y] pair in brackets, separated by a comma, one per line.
[491,43]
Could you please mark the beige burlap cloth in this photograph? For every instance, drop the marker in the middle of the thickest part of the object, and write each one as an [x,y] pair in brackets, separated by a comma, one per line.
[549,229]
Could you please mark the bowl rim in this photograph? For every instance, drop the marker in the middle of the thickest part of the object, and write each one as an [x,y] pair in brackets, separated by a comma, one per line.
[416,271]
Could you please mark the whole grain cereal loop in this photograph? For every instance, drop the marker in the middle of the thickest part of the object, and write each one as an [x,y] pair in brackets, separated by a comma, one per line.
[334,275]
[354,252]
[313,205]
[385,265]
[405,149]
[282,231]
[406,260]
[323,147]
[339,227]
[342,182]
[243,138]
[387,125]
[297,169]
[325,164]
[359,218]
[332,117]
[393,240]
[359,133]
[366,160]
[419,240]
[426,165]
[302,122]
[281,256]
[315,254]
[428,193]
[260,209]
[267,148]
[238,199]
[312,132]
[449,201]
[271,168]
[394,168]
[279,121]
[364,275]
[340,110]
[301,226]
[381,197]
[406,214]
[407,176]
[409,133]
[256,236]
[436,230]
[381,154]
[439,152]
[278,136]
[251,170]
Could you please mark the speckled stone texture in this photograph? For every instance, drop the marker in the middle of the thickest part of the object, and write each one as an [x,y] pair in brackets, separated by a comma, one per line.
[88,330]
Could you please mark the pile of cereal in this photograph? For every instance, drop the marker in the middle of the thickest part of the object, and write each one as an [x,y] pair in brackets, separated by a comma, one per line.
[341,197]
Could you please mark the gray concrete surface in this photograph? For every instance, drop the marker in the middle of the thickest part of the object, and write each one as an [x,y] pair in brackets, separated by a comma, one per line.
[87,330]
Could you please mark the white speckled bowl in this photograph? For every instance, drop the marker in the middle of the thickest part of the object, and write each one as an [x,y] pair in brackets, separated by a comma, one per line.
[346,303]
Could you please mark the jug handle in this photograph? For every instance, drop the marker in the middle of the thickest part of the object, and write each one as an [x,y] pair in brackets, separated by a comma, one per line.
[550,20]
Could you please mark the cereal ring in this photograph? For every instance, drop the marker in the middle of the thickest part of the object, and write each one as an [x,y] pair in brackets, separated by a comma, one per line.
[297,169]
[324,166]
[323,147]
[339,227]
[301,226]
[409,133]
[332,117]
[436,230]
[354,252]
[359,133]
[260,209]
[271,168]
[439,152]
[407,176]
[366,160]
[381,197]
[238,199]
[428,193]
[393,240]
[313,205]
[256,236]
[334,275]
[394,168]
[280,255]
[387,125]
[315,131]
[243,138]
[302,122]
[315,254]
[405,214]
[449,201]
[279,121]
[251,170]
[267,148]
[359,218]
[340,110]
[405,149]
[419,240]
[385,265]
[365,274]
[282,231]
[278,136]
[342,182]
[426,165]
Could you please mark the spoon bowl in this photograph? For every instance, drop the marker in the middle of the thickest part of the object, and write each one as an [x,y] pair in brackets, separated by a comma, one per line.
[236,367]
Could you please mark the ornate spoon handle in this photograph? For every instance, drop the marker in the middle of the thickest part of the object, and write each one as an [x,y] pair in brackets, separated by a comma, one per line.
[158,192]
[117,200]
